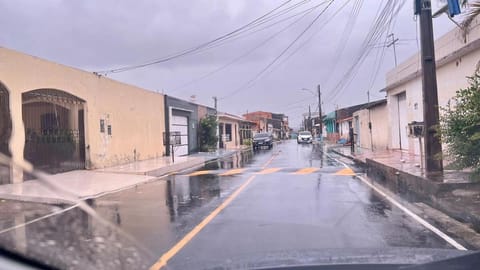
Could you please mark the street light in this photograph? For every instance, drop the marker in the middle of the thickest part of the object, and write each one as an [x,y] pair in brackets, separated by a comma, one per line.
[306,89]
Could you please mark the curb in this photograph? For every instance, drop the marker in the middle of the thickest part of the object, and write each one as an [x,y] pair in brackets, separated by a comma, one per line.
[354,159]
[424,191]
[42,200]
[156,175]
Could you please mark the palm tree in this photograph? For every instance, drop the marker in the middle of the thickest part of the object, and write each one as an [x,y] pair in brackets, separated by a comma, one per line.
[472,12]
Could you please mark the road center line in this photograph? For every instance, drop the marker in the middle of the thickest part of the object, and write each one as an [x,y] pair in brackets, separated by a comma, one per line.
[162,261]
[189,236]
[270,160]
[417,218]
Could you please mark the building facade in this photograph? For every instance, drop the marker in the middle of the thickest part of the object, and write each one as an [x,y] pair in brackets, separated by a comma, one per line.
[260,119]
[233,130]
[457,56]
[182,120]
[370,126]
[330,125]
[63,118]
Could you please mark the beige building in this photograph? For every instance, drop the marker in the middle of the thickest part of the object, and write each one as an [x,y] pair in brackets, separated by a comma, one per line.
[457,57]
[64,118]
[233,130]
[372,136]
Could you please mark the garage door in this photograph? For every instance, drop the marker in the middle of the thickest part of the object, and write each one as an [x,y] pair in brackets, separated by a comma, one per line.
[180,124]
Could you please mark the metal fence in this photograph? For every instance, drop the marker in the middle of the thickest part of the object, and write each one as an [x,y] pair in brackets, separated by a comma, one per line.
[55,150]
[54,131]
[5,133]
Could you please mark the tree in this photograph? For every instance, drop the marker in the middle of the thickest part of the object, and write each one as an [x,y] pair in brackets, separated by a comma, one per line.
[472,12]
[460,126]
[208,133]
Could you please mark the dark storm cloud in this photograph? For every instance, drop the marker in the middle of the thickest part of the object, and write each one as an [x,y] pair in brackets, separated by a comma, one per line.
[97,35]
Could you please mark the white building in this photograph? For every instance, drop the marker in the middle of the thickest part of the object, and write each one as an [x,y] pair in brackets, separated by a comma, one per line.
[372,136]
[457,56]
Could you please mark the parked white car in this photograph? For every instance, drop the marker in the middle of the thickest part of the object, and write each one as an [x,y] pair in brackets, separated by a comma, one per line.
[304,137]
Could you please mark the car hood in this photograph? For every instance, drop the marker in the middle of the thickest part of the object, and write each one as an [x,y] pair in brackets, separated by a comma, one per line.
[285,259]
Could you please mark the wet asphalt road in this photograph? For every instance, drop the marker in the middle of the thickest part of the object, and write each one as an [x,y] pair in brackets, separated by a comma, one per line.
[288,210]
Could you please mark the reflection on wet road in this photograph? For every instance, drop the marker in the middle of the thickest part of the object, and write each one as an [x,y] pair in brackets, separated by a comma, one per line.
[284,209]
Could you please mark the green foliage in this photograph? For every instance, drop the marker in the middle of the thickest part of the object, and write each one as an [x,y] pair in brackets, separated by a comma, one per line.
[247,142]
[460,126]
[208,131]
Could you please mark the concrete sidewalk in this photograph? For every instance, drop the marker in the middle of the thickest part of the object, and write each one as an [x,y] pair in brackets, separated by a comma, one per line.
[84,184]
[454,193]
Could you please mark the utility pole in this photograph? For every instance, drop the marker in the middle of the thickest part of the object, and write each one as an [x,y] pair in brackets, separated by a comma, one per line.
[320,112]
[216,119]
[433,147]
[392,43]
[309,123]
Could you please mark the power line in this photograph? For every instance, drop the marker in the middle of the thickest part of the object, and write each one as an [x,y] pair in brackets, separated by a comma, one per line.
[303,13]
[310,38]
[203,45]
[250,32]
[347,31]
[380,25]
[251,81]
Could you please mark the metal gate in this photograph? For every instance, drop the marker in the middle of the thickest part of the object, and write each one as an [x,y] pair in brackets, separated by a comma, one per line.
[5,133]
[54,130]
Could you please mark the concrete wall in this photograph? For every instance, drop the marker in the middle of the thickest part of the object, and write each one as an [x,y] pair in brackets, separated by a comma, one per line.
[136,115]
[457,58]
[380,127]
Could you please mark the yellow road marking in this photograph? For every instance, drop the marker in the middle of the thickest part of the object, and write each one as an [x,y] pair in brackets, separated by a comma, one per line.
[232,172]
[189,236]
[306,170]
[346,171]
[200,173]
[269,161]
[269,170]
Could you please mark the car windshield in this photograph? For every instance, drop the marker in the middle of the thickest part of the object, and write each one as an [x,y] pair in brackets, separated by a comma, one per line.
[261,135]
[238,134]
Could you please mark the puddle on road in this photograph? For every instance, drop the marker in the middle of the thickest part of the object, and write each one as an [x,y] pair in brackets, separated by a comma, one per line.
[238,160]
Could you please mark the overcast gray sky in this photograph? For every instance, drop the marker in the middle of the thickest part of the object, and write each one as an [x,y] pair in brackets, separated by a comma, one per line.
[101,35]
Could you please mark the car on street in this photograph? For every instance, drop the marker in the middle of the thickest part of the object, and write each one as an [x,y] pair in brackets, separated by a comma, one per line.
[262,140]
[304,137]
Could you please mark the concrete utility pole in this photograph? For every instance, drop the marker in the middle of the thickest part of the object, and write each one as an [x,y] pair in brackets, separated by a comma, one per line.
[320,112]
[309,123]
[216,119]
[433,147]
[392,43]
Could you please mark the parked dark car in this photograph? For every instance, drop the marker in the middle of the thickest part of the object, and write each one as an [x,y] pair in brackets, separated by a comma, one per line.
[262,140]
